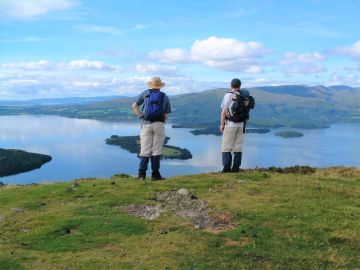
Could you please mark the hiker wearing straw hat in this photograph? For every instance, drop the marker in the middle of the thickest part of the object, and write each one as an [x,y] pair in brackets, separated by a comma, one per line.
[156,107]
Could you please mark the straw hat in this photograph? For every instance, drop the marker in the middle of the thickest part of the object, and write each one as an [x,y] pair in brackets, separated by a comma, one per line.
[155,83]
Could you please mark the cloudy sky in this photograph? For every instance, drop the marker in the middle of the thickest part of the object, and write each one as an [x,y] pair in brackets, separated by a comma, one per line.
[61,48]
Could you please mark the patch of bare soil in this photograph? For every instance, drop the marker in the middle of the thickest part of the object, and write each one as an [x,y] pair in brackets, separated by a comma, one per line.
[144,211]
[184,204]
[238,243]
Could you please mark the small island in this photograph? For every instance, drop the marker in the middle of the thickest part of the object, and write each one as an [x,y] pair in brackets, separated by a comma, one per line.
[214,130]
[289,134]
[14,161]
[132,144]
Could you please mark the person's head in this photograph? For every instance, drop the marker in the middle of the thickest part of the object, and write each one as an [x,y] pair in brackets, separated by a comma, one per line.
[155,83]
[235,84]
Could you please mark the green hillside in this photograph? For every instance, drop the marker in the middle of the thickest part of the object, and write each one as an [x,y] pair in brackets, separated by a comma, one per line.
[288,105]
[271,219]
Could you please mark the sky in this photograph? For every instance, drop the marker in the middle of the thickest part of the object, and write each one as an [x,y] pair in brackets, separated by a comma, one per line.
[65,48]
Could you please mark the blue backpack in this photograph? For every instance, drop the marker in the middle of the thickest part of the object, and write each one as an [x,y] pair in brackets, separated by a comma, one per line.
[154,110]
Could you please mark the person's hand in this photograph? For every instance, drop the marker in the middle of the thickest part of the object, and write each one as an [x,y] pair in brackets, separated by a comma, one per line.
[222,127]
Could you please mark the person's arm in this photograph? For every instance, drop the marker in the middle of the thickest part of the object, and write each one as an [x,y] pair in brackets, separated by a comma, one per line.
[135,107]
[222,123]
[224,106]
[136,110]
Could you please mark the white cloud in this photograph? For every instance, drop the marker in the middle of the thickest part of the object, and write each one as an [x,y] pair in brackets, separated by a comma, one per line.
[344,79]
[175,55]
[221,53]
[305,63]
[45,65]
[225,49]
[108,29]
[21,40]
[353,50]
[305,69]
[38,65]
[100,29]
[156,69]
[91,65]
[29,9]
[305,58]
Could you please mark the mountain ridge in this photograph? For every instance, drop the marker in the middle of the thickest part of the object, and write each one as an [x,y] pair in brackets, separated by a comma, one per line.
[287,105]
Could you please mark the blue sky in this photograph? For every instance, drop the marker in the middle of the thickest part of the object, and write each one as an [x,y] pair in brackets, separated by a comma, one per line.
[60,48]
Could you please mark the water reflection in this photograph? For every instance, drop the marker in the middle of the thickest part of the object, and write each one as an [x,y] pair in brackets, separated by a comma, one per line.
[78,148]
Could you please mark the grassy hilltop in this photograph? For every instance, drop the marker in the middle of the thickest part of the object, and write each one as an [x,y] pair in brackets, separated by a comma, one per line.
[273,220]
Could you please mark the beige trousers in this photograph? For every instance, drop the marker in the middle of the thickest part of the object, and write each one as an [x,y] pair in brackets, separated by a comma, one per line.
[232,139]
[152,137]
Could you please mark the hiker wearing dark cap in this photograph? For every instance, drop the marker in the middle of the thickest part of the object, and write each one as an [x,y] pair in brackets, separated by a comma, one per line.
[234,113]
[156,107]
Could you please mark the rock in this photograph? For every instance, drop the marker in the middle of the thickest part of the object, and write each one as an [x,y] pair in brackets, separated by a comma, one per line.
[144,211]
[121,175]
[76,185]
[164,231]
[2,184]
[69,190]
[183,192]
[17,210]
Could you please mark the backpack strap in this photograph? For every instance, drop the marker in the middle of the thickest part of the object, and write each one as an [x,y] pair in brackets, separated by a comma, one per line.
[146,95]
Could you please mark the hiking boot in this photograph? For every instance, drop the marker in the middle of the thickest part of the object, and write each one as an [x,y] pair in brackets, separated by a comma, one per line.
[226,170]
[155,176]
[142,176]
[235,169]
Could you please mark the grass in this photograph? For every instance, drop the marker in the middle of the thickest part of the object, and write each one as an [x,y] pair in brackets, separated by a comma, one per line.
[171,152]
[283,221]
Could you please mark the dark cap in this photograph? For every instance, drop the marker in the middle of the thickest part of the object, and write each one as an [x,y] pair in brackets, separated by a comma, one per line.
[235,83]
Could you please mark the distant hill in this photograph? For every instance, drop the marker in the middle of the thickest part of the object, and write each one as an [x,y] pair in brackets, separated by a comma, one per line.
[288,105]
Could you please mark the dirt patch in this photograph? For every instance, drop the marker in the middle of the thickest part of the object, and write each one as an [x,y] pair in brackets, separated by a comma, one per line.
[223,222]
[144,211]
[184,204]
[294,169]
[237,243]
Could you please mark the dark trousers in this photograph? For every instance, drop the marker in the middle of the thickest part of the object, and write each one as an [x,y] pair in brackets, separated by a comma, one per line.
[228,161]
[155,163]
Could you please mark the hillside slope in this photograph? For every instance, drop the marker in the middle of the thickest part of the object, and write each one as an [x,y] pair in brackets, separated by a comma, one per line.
[274,221]
[288,105]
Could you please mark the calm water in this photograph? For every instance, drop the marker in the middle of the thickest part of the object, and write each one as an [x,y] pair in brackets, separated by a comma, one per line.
[78,148]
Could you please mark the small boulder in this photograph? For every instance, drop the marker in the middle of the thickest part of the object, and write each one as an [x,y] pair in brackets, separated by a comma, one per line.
[121,175]
[17,210]
[69,190]
[183,192]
